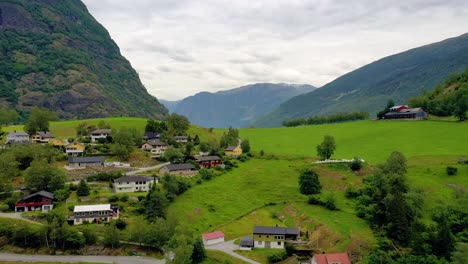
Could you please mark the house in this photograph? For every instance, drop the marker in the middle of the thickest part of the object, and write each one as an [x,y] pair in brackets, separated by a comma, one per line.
[233,151]
[85,162]
[40,201]
[151,136]
[273,236]
[133,184]
[213,238]
[182,169]
[208,161]
[405,113]
[246,243]
[95,213]
[74,149]
[57,142]
[335,258]
[42,137]
[156,147]
[397,108]
[181,139]
[17,136]
[99,134]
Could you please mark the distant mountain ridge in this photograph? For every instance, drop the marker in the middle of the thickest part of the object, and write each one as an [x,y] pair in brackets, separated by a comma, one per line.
[236,107]
[398,77]
[54,54]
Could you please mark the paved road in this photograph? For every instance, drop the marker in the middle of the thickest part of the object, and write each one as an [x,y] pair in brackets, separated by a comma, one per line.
[18,216]
[147,169]
[76,259]
[229,247]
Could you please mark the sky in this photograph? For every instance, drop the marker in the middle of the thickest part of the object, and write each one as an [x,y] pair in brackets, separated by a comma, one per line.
[181,47]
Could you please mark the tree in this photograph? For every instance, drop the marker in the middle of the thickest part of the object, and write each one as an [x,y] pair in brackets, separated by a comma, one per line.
[245,146]
[196,140]
[188,148]
[178,123]
[103,125]
[39,119]
[309,182]
[231,138]
[8,116]
[444,242]
[111,236]
[183,249]
[155,204]
[43,176]
[173,155]
[326,149]
[158,233]
[83,188]
[198,253]
[204,147]
[461,105]
[206,174]
[155,126]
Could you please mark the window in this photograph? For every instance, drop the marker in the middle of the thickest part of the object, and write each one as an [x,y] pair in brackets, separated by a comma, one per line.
[260,243]
[90,213]
[268,236]
[259,235]
[82,214]
[279,243]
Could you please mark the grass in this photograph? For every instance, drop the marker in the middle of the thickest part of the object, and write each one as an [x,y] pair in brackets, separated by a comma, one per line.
[35,262]
[370,140]
[258,254]
[216,256]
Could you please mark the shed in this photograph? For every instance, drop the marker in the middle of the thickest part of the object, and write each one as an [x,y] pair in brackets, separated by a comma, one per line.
[213,238]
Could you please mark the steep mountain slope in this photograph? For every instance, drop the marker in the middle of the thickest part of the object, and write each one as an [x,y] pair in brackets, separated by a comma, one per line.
[396,77]
[170,105]
[54,54]
[237,107]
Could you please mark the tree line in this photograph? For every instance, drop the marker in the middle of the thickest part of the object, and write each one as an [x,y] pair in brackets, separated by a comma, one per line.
[334,118]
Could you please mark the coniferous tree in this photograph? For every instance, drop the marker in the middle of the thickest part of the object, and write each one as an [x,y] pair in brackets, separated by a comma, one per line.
[198,253]
[309,182]
[83,188]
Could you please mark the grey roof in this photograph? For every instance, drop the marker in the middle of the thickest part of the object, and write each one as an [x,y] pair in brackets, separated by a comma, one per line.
[273,230]
[86,159]
[177,167]
[41,193]
[406,111]
[156,143]
[152,135]
[247,241]
[231,148]
[101,131]
[22,142]
[45,134]
[207,158]
[18,133]
[180,137]
[134,179]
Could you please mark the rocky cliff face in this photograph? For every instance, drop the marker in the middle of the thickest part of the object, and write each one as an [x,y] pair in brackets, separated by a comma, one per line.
[54,54]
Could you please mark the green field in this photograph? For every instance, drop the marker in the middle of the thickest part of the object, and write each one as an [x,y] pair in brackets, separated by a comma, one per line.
[216,256]
[370,140]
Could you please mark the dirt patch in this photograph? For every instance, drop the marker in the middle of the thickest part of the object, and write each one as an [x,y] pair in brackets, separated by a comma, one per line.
[328,173]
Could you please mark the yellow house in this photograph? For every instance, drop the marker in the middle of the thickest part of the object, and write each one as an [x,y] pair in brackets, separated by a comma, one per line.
[233,151]
[57,142]
[74,149]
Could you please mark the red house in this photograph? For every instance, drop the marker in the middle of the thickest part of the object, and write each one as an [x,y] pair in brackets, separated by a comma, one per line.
[335,258]
[40,201]
[208,161]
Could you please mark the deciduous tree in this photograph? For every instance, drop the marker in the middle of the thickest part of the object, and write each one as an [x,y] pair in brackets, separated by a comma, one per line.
[326,149]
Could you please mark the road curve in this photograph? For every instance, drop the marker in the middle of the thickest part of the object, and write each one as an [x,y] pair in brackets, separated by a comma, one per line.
[76,259]
[147,168]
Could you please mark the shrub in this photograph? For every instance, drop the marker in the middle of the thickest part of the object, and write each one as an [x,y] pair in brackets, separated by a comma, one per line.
[350,192]
[89,236]
[120,224]
[113,199]
[124,198]
[330,202]
[452,170]
[277,257]
[4,207]
[290,249]
[141,198]
[315,200]
[356,164]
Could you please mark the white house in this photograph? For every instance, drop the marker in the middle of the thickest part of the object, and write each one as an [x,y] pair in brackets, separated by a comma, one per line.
[213,238]
[17,136]
[133,184]
[155,147]
[95,213]
[100,133]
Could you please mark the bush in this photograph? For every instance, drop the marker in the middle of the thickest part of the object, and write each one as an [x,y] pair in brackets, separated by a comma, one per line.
[4,207]
[277,257]
[315,200]
[124,198]
[120,224]
[350,192]
[89,236]
[330,202]
[290,249]
[452,170]
[356,164]
[113,199]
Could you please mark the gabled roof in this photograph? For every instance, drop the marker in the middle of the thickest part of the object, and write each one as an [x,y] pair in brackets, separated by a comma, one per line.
[101,131]
[177,167]
[18,133]
[45,134]
[92,208]
[134,179]
[247,241]
[405,111]
[152,135]
[273,230]
[341,258]
[41,193]
[213,235]
[207,158]
[231,148]
[155,143]
[86,159]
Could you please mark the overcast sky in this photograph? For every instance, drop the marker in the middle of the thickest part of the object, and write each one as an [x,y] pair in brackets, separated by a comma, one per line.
[181,47]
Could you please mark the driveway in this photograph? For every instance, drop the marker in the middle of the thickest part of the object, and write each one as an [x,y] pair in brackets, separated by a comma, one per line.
[18,216]
[77,259]
[228,247]
[147,168]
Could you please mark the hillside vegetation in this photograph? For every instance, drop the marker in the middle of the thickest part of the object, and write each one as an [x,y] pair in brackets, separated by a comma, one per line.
[54,54]
[398,77]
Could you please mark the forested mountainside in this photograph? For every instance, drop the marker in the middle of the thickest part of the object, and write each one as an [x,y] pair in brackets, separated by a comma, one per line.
[54,54]
[236,107]
[398,77]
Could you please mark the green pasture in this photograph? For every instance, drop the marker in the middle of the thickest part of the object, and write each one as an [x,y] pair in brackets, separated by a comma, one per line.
[216,256]
[370,140]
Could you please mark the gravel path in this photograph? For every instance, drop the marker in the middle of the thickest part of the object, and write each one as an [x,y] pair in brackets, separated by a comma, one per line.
[18,216]
[229,247]
[76,259]
[147,169]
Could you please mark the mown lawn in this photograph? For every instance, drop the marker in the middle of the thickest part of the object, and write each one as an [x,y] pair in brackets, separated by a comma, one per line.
[371,140]
[216,256]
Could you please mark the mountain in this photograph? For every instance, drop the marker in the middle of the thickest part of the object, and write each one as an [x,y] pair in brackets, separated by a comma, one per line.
[237,107]
[54,54]
[170,105]
[398,77]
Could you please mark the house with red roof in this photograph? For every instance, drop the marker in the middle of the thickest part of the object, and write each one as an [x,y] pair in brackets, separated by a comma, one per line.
[213,238]
[334,258]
